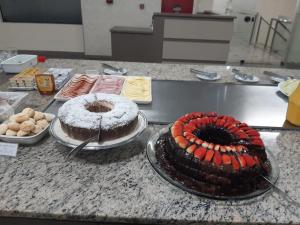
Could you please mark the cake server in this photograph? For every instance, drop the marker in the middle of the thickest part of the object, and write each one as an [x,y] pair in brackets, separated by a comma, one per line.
[77,149]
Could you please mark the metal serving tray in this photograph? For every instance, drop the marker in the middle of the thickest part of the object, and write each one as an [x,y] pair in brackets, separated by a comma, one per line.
[261,106]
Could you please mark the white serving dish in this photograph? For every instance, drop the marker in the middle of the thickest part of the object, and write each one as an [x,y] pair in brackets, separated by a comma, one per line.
[58,96]
[138,101]
[18,63]
[27,140]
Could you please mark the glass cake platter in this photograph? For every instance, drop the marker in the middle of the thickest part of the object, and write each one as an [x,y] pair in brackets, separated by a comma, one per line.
[151,155]
[61,137]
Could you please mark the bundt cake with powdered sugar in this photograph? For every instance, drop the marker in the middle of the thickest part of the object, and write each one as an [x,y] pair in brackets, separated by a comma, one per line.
[214,154]
[80,117]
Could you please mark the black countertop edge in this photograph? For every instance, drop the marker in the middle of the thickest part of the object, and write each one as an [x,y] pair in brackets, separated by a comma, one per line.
[125,29]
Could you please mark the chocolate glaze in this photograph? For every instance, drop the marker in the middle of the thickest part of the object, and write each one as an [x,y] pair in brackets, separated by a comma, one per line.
[205,177]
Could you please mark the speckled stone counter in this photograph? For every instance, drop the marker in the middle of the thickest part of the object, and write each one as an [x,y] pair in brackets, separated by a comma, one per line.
[119,185]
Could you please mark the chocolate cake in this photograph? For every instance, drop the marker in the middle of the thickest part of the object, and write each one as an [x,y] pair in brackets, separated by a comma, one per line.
[80,117]
[214,154]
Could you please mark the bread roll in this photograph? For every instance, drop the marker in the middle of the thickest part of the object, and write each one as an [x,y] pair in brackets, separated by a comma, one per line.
[12,118]
[27,126]
[42,123]
[3,128]
[38,129]
[13,126]
[48,117]
[38,116]
[11,133]
[21,117]
[22,133]
[29,112]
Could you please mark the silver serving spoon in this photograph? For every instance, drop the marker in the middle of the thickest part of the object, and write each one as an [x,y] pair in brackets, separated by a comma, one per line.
[77,149]
[116,69]
[243,75]
[203,73]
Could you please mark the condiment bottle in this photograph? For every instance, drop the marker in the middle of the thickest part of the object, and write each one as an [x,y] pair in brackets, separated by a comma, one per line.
[45,83]
[293,112]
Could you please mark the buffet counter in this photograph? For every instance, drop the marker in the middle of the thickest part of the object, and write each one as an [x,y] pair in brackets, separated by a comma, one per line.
[120,186]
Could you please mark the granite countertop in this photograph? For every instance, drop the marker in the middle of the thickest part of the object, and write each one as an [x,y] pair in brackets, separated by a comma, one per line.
[119,185]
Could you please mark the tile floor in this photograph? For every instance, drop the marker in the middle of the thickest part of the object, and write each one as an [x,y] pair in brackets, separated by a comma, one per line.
[241,50]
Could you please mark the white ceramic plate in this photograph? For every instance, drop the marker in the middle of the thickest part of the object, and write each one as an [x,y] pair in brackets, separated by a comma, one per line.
[27,140]
[239,78]
[61,137]
[202,77]
[288,87]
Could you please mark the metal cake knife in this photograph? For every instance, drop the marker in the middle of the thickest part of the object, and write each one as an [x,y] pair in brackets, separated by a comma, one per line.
[77,149]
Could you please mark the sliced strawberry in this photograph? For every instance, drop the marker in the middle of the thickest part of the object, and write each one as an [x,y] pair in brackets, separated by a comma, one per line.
[183,119]
[176,123]
[189,128]
[243,136]
[240,148]
[217,158]
[212,114]
[182,142]
[190,137]
[228,148]
[209,155]
[227,124]
[210,146]
[222,149]
[233,148]
[249,160]
[214,119]
[176,130]
[233,130]
[226,159]
[222,122]
[205,120]
[217,147]
[198,141]
[191,149]
[218,122]
[252,132]
[243,125]
[199,123]
[234,162]
[199,153]
[194,123]
[242,161]
[205,144]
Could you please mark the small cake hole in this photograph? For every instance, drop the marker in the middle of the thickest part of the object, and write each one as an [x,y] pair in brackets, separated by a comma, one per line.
[100,107]
[214,135]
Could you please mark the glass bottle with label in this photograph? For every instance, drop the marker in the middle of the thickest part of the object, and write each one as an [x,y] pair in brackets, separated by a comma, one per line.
[293,112]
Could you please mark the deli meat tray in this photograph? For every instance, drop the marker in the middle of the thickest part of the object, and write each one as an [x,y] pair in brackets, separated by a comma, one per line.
[136,88]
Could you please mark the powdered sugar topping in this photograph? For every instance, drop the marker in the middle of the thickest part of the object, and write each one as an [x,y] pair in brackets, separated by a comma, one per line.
[74,112]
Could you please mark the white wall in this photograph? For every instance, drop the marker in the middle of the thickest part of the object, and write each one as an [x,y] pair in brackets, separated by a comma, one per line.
[99,17]
[43,37]
[203,5]
[293,52]
[274,8]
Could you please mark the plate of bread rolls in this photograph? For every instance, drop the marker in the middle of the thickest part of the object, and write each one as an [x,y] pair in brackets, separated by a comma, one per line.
[26,127]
